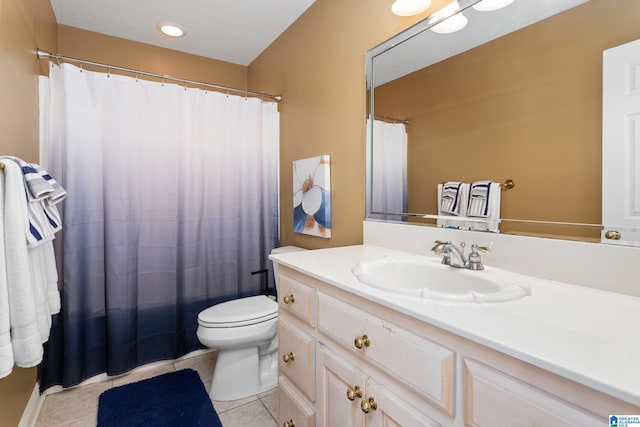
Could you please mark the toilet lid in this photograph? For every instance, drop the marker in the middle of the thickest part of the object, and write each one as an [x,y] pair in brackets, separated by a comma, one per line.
[239,312]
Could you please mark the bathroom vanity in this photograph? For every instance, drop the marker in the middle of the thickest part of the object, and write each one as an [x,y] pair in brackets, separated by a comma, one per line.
[354,355]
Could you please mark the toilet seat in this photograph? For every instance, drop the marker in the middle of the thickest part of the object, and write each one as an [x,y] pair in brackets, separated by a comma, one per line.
[240,312]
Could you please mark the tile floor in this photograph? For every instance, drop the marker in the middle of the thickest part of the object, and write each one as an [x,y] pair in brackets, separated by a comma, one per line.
[78,407]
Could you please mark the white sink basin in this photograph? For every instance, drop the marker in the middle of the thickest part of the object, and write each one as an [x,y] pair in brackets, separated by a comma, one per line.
[429,278]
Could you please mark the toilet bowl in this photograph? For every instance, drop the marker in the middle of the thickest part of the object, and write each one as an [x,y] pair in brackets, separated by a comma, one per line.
[244,331]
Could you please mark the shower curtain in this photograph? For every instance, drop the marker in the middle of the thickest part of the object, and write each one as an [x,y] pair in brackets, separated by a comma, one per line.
[172,205]
[388,160]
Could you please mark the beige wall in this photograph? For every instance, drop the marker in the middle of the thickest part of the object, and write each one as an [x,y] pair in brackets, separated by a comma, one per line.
[318,66]
[87,45]
[24,26]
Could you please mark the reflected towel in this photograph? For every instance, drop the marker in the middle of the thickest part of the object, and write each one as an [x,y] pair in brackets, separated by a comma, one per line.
[479,199]
[487,207]
[450,198]
[463,198]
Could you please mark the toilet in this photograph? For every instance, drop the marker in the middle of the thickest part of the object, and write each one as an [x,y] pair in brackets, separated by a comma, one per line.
[244,331]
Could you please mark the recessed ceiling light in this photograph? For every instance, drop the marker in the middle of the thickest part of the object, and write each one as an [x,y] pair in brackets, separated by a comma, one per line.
[171,30]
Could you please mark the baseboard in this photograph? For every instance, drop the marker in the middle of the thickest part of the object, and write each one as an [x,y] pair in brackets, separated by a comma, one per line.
[33,408]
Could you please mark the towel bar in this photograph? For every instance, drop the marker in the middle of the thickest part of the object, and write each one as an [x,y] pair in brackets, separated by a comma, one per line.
[506,185]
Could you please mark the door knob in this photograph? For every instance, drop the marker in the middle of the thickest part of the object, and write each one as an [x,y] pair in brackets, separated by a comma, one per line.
[368,405]
[354,392]
[612,235]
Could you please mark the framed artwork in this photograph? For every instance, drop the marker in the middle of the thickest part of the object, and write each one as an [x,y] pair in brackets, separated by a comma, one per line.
[312,196]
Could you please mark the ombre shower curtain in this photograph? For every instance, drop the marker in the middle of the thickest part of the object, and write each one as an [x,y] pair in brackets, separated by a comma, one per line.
[172,206]
[388,160]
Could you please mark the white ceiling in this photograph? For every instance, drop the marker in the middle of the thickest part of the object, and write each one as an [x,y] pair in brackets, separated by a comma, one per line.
[235,31]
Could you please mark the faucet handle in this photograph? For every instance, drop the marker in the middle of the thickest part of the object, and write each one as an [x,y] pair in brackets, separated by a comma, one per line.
[474,262]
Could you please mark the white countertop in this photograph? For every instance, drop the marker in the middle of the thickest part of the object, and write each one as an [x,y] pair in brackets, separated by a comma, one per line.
[586,335]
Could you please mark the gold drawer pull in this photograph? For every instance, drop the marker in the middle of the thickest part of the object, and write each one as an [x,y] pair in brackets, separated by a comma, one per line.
[290,357]
[368,405]
[352,393]
[288,424]
[362,341]
[289,299]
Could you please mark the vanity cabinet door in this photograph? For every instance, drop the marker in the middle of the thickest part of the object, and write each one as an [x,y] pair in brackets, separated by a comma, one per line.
[347,397]
[392,411]
[341,387]
[493,398]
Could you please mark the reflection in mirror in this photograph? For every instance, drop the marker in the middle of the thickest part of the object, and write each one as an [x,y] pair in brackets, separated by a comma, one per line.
[516,94]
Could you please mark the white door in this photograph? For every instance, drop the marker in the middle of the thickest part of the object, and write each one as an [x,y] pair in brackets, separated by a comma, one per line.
[621,145]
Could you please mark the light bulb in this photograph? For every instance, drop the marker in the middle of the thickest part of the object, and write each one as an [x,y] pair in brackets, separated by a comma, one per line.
[451,24]
[488,5]
[410,7]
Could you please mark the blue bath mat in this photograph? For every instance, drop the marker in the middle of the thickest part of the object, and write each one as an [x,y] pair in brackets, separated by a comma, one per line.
[173,399]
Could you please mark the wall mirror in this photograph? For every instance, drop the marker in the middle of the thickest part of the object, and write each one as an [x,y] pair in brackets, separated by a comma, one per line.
[516,94]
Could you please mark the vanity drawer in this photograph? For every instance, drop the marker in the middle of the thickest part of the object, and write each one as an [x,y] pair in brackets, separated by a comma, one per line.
[296,352]
[297,298]
[492,397]
[293,406]
[422,364]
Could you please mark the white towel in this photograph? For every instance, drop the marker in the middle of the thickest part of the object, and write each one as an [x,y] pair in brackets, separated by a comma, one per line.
[463,198]
[479,199]
[450,198]
[485,205]
[6,349]
[26,337]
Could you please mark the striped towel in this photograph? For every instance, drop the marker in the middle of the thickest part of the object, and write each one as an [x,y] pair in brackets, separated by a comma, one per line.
[58,194]
[479,199]
[37,187]
[42,193]
[450,200]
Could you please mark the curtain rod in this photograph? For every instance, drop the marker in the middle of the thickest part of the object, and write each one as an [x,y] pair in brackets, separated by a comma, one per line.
[403,121]
[44,54]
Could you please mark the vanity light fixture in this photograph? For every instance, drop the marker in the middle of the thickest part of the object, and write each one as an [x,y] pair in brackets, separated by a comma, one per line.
[453,23]
[171,30]
[488,5]
[410,7]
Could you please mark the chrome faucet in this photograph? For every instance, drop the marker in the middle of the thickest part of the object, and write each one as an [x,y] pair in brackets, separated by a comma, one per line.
[454,256]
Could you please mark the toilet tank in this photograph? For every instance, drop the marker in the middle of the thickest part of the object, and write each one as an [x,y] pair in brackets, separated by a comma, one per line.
[282,250]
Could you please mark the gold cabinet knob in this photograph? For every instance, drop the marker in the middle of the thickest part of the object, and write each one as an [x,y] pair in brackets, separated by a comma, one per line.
[289,423]
[612,235]
[289,299]
[289,357]
[354,392]
[362,341]
[368,405]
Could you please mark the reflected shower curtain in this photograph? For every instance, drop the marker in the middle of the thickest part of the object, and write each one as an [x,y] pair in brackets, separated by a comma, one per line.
[388,152]
[172,205]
